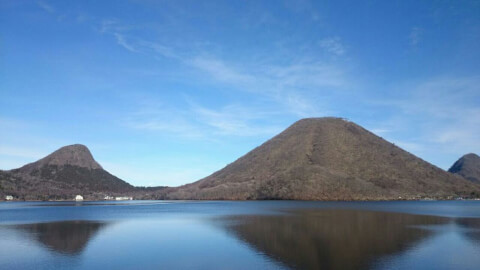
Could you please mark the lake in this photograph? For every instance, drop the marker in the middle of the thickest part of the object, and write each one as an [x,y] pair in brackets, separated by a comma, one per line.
[240,235]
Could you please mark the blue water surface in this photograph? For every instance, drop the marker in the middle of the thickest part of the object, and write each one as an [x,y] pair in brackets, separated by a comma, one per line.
[240,235]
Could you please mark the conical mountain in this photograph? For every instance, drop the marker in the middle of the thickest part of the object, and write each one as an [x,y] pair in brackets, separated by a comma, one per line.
[66,172]
[468,167]
[326,159]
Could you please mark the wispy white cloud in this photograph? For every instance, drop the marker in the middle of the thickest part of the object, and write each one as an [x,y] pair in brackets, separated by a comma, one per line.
[162,118]
[332,45]
[195,121]
[438,117]
[172,126]
[121,40]
[57,13]
[160,49]
[133,44]
[107,25]
[415,36]
[45,6]
[220,71]
[455,136]
[447,97]
[291,84]
[236,120]
[303,74]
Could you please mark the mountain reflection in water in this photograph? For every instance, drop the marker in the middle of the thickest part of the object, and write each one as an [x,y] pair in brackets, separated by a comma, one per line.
[69,237]
[332,239]
[471,228]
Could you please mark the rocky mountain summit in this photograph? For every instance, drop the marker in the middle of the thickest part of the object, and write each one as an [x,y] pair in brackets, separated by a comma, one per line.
[73,155]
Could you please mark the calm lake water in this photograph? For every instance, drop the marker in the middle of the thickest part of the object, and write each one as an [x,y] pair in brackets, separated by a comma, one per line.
[240,235]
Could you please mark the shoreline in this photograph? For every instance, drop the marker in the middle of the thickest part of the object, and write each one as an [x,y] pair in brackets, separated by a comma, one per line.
[196,200]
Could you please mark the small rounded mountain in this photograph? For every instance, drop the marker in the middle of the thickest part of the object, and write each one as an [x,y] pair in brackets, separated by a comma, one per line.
[468,167]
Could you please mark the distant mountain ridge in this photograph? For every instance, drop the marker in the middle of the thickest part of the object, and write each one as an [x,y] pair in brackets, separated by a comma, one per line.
[468,166]
[326,159]
[314,159]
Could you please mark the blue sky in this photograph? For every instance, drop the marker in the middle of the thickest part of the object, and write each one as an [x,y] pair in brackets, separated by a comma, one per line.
[167,92]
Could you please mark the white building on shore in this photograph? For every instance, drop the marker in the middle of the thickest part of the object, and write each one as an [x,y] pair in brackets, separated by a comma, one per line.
[9,198]
[123,198]
[79,198]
